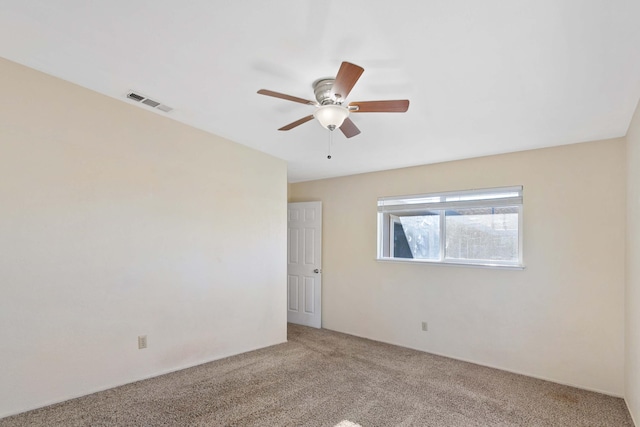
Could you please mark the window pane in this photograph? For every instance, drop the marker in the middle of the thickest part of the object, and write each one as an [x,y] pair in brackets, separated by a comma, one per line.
[401,248]
[483,234]
[417,237]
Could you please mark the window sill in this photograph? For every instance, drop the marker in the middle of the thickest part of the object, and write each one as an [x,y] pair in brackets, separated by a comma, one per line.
[453,264]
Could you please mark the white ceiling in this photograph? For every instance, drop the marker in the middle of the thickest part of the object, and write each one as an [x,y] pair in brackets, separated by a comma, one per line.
[483,77]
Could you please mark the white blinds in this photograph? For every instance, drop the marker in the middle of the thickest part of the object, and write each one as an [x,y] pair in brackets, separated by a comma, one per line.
[493,197]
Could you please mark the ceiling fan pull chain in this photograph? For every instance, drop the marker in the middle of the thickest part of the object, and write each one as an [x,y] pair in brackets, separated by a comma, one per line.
[330,138]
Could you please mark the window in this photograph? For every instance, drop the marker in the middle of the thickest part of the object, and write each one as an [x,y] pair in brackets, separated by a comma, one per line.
[475,227]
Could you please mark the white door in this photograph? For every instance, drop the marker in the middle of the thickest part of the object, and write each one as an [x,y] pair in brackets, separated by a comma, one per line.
[304,273]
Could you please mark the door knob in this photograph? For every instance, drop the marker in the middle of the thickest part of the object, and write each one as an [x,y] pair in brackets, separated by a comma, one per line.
[316,271]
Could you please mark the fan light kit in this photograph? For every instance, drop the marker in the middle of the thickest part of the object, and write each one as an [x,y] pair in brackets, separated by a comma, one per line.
[331,116]
[330,95]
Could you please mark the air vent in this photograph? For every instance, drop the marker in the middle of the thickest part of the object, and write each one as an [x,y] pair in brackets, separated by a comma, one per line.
[135,97]
[150,102]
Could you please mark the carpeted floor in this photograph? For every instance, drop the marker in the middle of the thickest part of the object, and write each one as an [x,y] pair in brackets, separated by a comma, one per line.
[323,378]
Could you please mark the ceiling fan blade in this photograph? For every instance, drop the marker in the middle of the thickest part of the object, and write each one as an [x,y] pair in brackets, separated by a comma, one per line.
[395,106]
[284,96]
[297,123]
[349,128]
[348,75]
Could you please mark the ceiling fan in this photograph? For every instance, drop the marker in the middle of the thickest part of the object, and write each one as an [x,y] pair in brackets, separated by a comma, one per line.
[330,96]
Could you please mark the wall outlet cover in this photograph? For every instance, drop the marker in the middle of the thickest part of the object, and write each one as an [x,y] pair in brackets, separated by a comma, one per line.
[142,342]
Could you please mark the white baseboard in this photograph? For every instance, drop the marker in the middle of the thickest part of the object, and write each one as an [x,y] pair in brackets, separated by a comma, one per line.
[630,413]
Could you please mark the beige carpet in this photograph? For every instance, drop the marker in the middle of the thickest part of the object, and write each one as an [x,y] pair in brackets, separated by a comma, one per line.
[324,378]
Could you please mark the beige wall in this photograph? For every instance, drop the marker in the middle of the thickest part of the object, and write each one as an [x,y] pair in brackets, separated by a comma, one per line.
[117,222]
[561,318]
[632,296]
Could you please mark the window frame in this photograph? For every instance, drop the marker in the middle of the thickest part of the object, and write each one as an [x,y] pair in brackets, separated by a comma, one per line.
[390,209]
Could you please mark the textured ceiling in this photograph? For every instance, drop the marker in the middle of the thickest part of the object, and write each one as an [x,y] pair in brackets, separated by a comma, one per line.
[483,77]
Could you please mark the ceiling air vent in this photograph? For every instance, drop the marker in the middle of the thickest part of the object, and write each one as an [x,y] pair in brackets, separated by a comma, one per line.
[150,102]
[164,108]
[135,97]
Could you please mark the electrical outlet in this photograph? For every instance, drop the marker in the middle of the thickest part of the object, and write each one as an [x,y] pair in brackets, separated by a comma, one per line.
[142,342]
[424,326]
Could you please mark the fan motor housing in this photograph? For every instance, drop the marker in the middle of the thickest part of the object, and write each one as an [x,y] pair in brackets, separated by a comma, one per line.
[323,90]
